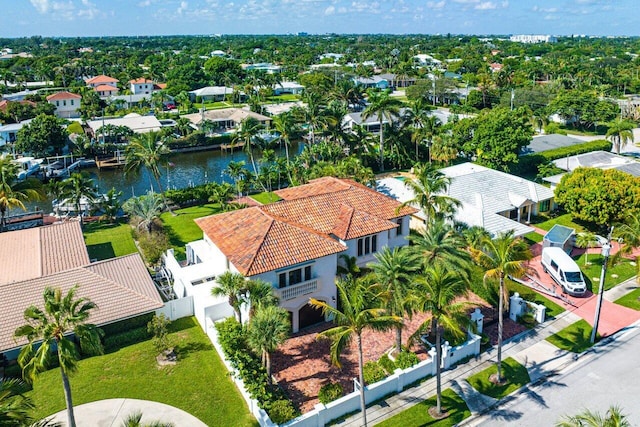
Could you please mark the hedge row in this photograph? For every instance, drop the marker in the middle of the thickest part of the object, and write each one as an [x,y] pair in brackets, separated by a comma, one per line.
[198,139]
[124,339]
[127,324]
[528,165]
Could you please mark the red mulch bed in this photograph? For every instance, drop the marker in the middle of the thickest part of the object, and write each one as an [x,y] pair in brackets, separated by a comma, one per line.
[302,365]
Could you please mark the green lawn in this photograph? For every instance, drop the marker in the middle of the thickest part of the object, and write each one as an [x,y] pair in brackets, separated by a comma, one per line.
[529,294]
[106,241]
[574,338]
[565,219]
[198,383]
[514,374]
[631,300]
[265,197]
[182,229]
[285,97]
[533,237]
[418,415]
[617,274]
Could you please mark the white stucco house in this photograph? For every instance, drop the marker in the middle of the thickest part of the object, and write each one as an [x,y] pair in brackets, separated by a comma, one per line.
[67,104]
[295,244]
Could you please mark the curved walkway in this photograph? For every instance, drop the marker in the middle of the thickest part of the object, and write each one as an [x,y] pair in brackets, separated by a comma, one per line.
[112,413]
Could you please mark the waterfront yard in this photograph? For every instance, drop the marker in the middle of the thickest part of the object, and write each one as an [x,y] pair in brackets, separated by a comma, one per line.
[106,241]
[182,229]
[198,383]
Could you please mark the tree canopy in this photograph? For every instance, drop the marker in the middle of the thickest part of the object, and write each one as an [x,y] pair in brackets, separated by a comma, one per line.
[44,134]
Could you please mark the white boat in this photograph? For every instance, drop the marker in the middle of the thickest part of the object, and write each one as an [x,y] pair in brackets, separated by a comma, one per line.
[66,206]
[27,166]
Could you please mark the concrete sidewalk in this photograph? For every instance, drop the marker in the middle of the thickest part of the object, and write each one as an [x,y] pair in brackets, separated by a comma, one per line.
[528,348]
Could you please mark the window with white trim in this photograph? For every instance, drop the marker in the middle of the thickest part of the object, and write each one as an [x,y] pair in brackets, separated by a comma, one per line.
[294,276]
[367,245]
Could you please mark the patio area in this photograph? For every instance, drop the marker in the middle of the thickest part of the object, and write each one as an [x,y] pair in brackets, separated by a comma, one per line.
[302,365]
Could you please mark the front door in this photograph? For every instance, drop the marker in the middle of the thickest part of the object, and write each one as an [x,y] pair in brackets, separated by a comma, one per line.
[309,316]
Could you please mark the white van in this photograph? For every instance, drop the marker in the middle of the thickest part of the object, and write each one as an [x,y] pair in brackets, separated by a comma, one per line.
[564,270]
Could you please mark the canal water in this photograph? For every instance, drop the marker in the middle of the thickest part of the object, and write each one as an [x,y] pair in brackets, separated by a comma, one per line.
[183,170]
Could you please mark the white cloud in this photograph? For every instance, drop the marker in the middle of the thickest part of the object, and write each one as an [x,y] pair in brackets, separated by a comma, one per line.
[486,5]
[330,10]
[183,7]
[42,6]
[436,5]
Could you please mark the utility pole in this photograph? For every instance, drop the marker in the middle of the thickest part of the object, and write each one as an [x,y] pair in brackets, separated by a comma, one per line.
[606,249]
[513,95]
[433,85]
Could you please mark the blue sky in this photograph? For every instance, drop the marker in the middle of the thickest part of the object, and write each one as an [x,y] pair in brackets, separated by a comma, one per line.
[150,17]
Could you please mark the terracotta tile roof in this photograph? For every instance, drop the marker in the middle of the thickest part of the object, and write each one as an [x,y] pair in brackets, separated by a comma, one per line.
[4,104]
[255,241]
[302,228]
[101,79]
[63,95]
[106,88]
[116,299]
[141,80]
[36,252]
[160,86]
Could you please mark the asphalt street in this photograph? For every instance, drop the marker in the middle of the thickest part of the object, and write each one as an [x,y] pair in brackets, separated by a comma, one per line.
[608,376]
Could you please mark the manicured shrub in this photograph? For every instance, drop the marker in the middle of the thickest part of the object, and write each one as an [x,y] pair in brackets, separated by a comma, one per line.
[528,165]
[153,245]
[282,411]
[406,359]
[373,372]
[127,324]
[330,392]
[387,364]
[123,339]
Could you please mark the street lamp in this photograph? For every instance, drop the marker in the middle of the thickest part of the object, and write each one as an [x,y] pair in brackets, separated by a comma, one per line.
[606,249]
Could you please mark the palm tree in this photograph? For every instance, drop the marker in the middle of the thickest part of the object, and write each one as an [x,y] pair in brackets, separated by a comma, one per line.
[382,106]
[183,125]
[135,420]
[429,190]
[441,244]
[14,406]
[356,314]
[237,172]
[259,294]
[233,286]
[586,240]
[630,235]
[620,132]
[312,114]
[14,193]
[268,329]
[111,205]
[441,292]
[348,266]
[146,209]
[612,418]
[285,125]
[501,257]
[78,188]
[416,117]
[394,271]
[247,134]
[51,328]
[147,151]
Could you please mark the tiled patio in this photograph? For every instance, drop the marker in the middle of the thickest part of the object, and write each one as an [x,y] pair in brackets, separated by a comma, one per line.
[302,365]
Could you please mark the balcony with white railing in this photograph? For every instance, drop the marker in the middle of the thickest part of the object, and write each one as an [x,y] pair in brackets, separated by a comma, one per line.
[295,291]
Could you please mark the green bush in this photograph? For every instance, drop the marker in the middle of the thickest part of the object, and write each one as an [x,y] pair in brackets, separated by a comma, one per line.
[282,411]
[387,364]
[528,165]
[127,324]
[153,245]
[406,359]
[373,372]
[329,393]
[123,339]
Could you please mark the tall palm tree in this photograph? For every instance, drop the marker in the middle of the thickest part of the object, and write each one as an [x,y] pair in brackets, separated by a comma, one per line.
[500,257]
[441,244]
[78,188]
[233,286]
[51,327]
[247,134]
[111,205]
[259,295]
[586,240]
[268,329]
[285,125]
[429,190]
[14,193]
[147,151]
[312,114]
[415,117]
[629,232]
[357,313]
[384,107]
[237,172]
[146,209]
[620,133]
[612,418]
[441,292]
[14,406]
[394,270]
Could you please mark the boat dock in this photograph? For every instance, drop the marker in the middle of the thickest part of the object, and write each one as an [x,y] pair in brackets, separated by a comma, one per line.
[118,160]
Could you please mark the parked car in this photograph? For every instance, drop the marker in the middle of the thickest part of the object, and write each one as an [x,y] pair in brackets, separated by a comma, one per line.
[564,271]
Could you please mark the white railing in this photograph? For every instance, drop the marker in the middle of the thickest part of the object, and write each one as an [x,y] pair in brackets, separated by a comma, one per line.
[291,292]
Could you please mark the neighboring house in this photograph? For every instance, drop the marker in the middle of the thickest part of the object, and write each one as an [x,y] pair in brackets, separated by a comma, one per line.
[267,67]
[293,88]
[129,101]
[594,159]
[495,200]
[211,93]
[19,96]
[495,67]
[105,86]
[375,82]
[226,118]
[135,122]
[533,38]
[9,133]
[67,104]
[294,244]
[423,60]
[4,104]
[371,124]
[552,141]
[398,80]
[141,86]
[56,256]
